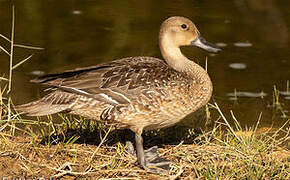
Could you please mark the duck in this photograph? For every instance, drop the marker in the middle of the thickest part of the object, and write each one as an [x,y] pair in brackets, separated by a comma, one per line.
[137,93]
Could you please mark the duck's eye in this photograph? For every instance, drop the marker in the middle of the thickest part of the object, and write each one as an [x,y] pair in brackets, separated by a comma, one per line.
[183,26]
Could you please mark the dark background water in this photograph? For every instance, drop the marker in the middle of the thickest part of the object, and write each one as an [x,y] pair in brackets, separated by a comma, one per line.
[83,33]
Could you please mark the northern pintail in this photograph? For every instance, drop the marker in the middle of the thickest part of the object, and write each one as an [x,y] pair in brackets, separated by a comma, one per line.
[138,93]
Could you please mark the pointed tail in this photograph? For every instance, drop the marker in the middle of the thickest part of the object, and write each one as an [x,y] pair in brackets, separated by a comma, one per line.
[54,102]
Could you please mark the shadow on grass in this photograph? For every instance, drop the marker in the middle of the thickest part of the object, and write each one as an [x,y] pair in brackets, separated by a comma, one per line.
[169,136]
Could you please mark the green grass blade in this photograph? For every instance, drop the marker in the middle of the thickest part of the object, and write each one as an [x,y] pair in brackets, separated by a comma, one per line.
[4,50]
[27,47]
[4,37]
[21,62]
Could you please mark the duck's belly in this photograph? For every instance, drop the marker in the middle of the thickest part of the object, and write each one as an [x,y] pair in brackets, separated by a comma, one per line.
[160,113]
[164,117]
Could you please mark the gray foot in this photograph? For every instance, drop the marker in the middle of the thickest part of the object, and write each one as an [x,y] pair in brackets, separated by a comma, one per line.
[153,162]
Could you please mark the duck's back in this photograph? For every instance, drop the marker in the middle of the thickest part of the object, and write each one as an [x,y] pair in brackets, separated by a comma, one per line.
[131,76]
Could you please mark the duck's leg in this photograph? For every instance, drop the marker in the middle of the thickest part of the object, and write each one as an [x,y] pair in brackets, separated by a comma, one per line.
[140,151]
[148,159]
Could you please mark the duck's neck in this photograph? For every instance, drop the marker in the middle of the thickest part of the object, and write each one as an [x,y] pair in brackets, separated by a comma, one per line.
[175,59]
[196,73]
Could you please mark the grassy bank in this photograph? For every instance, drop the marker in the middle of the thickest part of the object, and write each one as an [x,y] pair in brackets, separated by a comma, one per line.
[213,155]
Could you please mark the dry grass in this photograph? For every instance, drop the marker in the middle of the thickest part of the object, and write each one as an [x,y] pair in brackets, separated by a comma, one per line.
[215,156]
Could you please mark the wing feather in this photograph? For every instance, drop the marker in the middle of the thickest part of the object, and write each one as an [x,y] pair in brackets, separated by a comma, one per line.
[116,82]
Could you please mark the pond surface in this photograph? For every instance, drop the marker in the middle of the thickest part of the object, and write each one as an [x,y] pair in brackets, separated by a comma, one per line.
[254,36]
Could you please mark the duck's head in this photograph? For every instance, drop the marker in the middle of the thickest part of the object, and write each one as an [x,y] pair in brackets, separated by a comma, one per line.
[179,31]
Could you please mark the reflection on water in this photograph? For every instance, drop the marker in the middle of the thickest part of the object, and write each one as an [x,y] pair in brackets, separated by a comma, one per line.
[285,93]
[247,94]
[238,66]
[37,73]
[221,44]
[243,44]
[76,12]
[82,33]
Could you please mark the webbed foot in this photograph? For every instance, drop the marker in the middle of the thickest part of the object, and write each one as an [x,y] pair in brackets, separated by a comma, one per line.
[152,161]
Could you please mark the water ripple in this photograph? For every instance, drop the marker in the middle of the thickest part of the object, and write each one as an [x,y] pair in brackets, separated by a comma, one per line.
[238,66]
[221,44]
[243,44]
[76,12]
[37,73]
[285,93]
[246,94]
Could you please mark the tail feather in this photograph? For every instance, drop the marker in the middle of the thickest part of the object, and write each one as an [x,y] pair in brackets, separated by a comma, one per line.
[39,108]
[54,102]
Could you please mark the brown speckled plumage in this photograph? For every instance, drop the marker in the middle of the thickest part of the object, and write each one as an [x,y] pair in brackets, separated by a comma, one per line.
[143,88]
[135,92]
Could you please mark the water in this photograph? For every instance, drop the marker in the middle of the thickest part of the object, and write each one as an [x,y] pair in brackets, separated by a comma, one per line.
[254,36]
